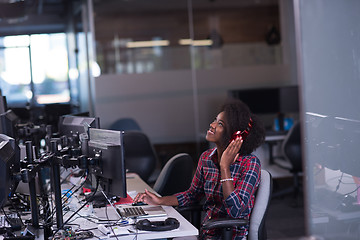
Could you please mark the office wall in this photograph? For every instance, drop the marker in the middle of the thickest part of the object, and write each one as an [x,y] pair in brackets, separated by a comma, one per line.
[328,37]
[171,110]
[167,106]
[163,102]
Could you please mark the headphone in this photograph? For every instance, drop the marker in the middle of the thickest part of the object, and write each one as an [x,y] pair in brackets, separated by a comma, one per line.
[168,224]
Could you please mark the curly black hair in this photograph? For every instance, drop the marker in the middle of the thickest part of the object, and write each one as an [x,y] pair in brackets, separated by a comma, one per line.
[237,117]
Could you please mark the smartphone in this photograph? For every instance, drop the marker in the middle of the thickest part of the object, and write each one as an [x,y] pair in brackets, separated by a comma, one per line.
[237,134]
[243,133]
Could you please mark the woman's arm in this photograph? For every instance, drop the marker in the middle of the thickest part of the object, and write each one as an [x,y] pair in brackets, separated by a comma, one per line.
[227,158]
[151,198]
[247,178]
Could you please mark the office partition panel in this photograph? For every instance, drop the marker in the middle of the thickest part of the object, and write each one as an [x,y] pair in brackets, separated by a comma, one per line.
[328,46]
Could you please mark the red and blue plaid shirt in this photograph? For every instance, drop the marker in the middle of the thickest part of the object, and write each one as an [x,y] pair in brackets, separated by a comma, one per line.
[206,183]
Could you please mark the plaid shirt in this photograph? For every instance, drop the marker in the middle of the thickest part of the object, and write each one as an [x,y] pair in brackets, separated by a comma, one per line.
[206,182]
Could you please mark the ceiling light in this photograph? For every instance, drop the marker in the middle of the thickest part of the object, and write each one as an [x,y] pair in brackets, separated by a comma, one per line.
[205,42]
[155,43]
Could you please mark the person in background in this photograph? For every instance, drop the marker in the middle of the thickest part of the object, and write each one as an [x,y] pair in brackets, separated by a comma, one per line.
[228,175]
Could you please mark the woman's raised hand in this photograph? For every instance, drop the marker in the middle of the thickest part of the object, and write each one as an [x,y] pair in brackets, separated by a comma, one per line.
[231,153]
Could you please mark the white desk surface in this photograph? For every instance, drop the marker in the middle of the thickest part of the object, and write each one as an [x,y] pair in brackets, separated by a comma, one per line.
[136,184]
[272,138]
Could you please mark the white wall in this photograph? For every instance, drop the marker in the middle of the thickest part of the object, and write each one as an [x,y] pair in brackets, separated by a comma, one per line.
[162,102]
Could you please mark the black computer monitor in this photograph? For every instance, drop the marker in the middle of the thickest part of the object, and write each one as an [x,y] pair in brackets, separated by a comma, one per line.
[276,100]
[259,100]
[69,125]
[289,99]
[8,121]
[3,104]
[107,147]
[9,165]
[265,101]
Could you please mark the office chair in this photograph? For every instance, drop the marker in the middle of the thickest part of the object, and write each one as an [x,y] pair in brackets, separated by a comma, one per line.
[140,156]
[125,124]
[257,227]
[291,148]
[175,176]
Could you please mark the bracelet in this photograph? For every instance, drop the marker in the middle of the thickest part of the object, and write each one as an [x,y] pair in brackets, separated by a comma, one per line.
[226,179]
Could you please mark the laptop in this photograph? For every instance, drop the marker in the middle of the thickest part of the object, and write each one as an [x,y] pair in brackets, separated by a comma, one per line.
[145,211]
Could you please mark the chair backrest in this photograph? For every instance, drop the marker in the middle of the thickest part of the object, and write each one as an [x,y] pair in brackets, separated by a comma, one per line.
[175,176]
[140,156]
[292,147]
[258,215]
[125,124]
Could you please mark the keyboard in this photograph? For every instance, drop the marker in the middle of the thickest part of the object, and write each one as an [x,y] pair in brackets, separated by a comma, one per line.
[133,212]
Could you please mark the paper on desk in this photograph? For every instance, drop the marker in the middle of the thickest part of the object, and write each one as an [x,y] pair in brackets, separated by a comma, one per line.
[132,194]
[126,200]
[119,231]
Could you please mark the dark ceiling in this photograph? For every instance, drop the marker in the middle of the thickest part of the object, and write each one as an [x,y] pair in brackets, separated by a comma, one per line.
[39,16]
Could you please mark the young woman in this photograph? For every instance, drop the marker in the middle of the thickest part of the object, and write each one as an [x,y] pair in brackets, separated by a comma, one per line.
[228,175]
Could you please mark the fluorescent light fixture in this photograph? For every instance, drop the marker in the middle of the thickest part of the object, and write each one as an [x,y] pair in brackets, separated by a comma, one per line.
[52,98]
[205,42]
[347,119]
[316,114]
[154,43]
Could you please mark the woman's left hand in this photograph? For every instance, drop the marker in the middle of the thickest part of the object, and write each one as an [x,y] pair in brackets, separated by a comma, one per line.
[231,153]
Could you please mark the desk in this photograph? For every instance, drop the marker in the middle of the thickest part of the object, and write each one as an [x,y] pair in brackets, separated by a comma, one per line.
[271,139]
[135,184]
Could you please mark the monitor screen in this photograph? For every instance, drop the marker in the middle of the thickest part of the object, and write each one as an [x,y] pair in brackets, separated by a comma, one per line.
[9,164]
[269,100]
[69,125]
[3,104]
[107,147]
[259,100]
[289,99]
[8,121]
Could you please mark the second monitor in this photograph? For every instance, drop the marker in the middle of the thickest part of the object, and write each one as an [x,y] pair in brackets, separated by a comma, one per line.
[106,149]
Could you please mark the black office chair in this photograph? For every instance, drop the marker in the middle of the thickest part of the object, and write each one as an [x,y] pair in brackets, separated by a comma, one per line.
[257,227]
[175,176]
[140,156]
[291,148]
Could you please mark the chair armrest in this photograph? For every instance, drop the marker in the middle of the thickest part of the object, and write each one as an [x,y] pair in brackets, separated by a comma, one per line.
[225,223]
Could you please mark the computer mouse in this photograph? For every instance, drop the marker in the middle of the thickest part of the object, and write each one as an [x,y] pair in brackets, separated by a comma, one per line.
[138,204]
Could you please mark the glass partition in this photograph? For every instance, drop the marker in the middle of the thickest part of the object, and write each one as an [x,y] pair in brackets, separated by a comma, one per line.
[329,70]
[148,38]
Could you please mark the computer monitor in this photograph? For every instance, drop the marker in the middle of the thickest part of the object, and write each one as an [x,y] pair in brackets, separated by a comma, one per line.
[265,101]
[289,99]
[283,99]
[69,125]
[8,121]
[9,165]
[107,147]
[259,100]
[3,104]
